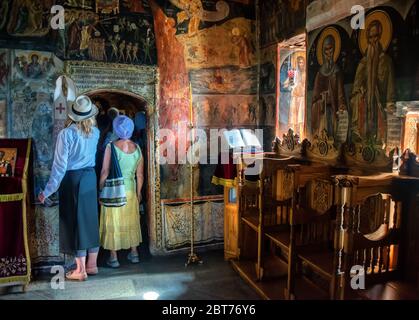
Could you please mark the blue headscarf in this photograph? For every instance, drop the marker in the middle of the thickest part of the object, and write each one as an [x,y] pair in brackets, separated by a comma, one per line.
[123,127]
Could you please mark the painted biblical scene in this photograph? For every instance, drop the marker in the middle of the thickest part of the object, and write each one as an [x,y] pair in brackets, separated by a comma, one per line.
[292,78]
[121,39]
[31,112]
[33,66]
[281,19]
[210,45]
[29,18]
[231,43]
[225,80]
[224,111]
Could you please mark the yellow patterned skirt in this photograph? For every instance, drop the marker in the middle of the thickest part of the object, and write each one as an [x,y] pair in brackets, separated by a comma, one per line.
[120,227]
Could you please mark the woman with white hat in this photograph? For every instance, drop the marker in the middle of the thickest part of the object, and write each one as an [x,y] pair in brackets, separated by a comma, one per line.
[73,173]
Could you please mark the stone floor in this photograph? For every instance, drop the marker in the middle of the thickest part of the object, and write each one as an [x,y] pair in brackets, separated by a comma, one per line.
[167,276]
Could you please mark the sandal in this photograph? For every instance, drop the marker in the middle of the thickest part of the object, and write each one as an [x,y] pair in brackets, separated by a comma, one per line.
[133,258]
[92,271]
[72,275]
[113,263]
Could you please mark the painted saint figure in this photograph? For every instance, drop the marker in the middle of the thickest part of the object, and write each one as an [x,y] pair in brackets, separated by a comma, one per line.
[34,69]
[244,46]
[373,93]
[328,92]
[297,82]
[22,20]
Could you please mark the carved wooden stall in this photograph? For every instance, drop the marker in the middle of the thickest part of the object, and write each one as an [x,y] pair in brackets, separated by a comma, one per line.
[373,216]
[301,227]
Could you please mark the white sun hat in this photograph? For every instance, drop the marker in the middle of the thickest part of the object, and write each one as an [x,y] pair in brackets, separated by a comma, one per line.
[82,109]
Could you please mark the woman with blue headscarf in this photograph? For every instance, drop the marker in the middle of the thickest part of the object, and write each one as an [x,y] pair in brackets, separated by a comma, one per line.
[120,226]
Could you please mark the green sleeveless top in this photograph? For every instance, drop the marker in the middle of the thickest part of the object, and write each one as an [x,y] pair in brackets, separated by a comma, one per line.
[129,163]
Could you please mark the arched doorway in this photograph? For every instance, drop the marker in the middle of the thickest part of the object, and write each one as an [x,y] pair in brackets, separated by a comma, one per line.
[130,105]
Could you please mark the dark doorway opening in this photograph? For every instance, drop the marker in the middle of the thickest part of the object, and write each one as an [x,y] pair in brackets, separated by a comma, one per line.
[130,105]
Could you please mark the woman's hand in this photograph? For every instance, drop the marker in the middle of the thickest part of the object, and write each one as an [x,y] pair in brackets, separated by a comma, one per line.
[41,198]
[139,197]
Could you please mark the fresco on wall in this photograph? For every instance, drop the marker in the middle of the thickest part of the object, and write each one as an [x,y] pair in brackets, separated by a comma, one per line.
[211,45]
[4,70]
[31,106]
[29,18]
[4,10]
[231,43]
[107,6]
[33,66]
[268,110]
[132,6]
[328,95]
[357,76]
[292,78]
[373,92]
[174,86]
[224,80]
[123,38]
[225,111]
[267,114]
[118,31]
[82,4]
[281,19]
[42,134]
[193,12]
[3,118]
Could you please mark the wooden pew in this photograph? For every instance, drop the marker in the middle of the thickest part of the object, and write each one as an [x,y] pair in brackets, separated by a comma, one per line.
[306,233]
[370,218]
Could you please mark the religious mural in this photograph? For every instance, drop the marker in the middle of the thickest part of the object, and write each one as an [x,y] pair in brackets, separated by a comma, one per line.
[281,19]
[225,111]
[26,110]
[211,46]
[224,80]
[123,38]
[29,18]
[292,83]
[4,70]
[267,114]
[3,118]
[356,77]
[110,31]
[328,95]
[4,10]
[82,4]
[33,76]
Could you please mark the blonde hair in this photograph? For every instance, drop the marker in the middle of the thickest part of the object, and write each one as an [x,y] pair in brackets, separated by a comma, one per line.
[85,126]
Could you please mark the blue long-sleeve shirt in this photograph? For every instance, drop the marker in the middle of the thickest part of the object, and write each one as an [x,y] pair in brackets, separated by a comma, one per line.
[73,151]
